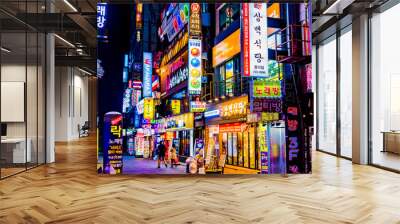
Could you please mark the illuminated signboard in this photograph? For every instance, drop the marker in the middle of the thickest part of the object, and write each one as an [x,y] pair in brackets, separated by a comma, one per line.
[275,69]
[139,9]
[274,11]
[229,77]
[170,53]
[194,21]
[126,101]
[263,88]
[140,107]
[236,107]
[262,142]
[255,46]
[173,66]
[148,110]
[267,105]
[211,113]
[197,106]
[101,20]
[226,49]
[174,19]
[183,121]
[195,67]
[176,107]
[235,127]
[112,147]
[178,77]
[147,73]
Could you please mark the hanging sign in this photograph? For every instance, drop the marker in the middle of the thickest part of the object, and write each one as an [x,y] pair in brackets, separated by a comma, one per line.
[112,146]
[194,21]
[101,20]
[195,67]
[148,111]
[263,88]
[147,74]
[255,46]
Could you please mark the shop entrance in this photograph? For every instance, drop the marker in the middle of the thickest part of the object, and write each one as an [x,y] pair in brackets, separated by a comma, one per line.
[240,147]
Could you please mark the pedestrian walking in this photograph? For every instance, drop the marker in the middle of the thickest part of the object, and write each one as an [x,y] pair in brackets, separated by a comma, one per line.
[173,156]
[161,154]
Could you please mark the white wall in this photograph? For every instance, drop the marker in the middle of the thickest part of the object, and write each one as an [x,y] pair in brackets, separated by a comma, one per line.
[71,102]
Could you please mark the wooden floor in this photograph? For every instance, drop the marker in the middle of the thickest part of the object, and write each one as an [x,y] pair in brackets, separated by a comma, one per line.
[70,191]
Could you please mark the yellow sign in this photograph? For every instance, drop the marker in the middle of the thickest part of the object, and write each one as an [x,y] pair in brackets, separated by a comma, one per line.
[269,116]
[176,107]
[227,48]
[236,107]
[148,112]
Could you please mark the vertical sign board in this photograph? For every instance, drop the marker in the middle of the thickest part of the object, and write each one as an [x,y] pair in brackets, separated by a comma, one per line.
[255,47]
[147,74]
[195,67]
[194,21]
[295,152]
[101,20]
[148,110]
[112,146]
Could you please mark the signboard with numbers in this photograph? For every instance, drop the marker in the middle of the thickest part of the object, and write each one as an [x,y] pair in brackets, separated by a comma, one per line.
[255,46]
[112,147]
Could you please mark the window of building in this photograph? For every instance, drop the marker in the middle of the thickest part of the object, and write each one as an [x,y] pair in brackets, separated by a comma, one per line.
[385,89]
[327,127]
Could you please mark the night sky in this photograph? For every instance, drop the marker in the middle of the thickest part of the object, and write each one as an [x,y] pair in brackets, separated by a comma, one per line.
[110,87]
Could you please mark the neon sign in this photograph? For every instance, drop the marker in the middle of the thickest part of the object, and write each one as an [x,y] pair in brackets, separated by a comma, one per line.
[147,73]
[195,67]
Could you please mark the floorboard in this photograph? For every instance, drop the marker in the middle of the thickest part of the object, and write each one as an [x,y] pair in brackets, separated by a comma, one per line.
[70,191]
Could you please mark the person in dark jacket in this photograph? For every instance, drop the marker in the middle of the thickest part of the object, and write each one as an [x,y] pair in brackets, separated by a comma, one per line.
[161,154]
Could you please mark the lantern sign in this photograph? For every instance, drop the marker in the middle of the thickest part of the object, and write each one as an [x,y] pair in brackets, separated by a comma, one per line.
[255,46]
[194,21]
[112,146]
[195,67]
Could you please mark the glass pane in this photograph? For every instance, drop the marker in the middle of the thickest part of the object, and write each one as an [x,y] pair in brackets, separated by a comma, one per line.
[240,148]
[14,153]
[31,98]
[234,149]
[327,96]
[346,94]
[41,99]
[385,84]
[246,148]
[252,151]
